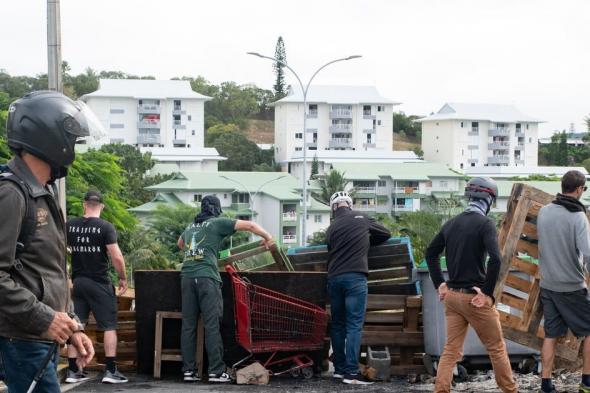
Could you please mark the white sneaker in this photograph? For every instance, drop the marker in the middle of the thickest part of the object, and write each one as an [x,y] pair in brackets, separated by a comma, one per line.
[191,376]
[76,376]
[337,376]
[356,379]
[219,378]
[115,377]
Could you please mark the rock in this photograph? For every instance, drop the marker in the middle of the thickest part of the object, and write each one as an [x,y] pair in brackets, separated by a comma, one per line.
[254,374]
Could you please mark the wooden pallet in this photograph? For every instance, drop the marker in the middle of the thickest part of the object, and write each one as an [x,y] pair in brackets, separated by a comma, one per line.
[391,265]
[395,321]
[518,284]
[240,258]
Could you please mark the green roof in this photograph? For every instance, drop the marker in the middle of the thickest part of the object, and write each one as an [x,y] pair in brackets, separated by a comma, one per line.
[550,187]
[317,206]
[278,185]
[161,199]
[403,171]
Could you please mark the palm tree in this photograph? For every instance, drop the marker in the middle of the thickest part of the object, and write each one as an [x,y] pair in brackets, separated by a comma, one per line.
[333,182]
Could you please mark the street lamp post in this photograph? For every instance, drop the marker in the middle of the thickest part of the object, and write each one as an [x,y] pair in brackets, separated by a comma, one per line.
[304,90]
[251,200]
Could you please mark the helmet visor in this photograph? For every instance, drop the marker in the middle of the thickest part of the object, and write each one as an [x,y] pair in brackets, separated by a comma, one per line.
[90,127]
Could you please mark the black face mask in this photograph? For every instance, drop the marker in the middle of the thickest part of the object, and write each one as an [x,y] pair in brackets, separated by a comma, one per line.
[58,173]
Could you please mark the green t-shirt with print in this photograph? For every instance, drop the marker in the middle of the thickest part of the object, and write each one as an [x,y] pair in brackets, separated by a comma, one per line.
[201,247]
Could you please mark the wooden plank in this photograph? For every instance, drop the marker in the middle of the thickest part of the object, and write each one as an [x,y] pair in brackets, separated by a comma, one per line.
[518,283]
[566,348]
[526,267]
[392,288]
[387,261]
[238,257]
[391,318]
[412,314]
[513,301]
[527,247]
[393,338]
[158,344]
[386,274]
[382,328]
[386,302]
[532,312]
[530,230]
[509,320]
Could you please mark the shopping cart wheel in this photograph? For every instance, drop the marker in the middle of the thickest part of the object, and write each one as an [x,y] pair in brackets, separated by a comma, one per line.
[295,372]
[307,372]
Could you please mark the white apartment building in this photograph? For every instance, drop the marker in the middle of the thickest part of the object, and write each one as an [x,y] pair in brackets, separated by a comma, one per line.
[470,135]
[149,113]
[349,118]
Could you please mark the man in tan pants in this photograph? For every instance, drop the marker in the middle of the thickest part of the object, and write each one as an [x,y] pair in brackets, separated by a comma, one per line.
[468,294]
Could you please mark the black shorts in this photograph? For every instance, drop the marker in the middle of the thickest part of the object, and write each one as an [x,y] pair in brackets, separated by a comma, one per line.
[97,297]
[563,310]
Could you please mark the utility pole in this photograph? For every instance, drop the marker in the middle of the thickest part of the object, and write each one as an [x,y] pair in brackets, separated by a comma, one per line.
[54,79]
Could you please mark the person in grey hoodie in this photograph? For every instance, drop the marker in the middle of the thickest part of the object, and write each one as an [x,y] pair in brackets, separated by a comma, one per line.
[564,251]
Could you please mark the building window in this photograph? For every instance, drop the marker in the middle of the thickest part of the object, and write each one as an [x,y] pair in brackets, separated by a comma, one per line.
[224,196]
[189,117]
[530,140]
[176,105]
[461,165]
[378,122]
[380,108]
[444,184]
[527,126]
[117,125]
[198,197]
[299,135]
[317,218]
[298,149]
[461,124]
[367,110]
[117,111]
[381,183]
[369,138]
[193,132]
[240,198]
[140,102]
[313,110]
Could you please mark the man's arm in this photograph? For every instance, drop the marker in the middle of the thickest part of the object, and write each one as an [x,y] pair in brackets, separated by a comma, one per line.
[378,233]
[435,248]
[249,226]
[490,242]
[119,265]
[583,238]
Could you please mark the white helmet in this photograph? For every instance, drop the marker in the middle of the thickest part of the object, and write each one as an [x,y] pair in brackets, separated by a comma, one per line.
[338,198]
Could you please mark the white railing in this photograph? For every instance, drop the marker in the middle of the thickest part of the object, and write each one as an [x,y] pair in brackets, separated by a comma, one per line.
[341,128]
[289,216]
[148,109]
[289,239]
[341,113]
[364,207]
[364,189]
[404,190]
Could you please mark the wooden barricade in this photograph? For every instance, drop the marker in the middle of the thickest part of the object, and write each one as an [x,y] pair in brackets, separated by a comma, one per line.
[518,287]
[239,256]
[395,321]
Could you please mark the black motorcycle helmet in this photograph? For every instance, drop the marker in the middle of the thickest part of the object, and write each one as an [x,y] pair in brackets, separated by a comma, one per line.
[47,124]
[481,188]
[211,204]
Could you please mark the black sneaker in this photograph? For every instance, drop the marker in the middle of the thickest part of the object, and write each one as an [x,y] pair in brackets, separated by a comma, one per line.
[191,376]
[115,377]
[219,378]
[76,376]
[356,379]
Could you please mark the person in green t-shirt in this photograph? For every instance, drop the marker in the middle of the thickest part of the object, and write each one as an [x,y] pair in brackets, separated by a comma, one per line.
[201,284]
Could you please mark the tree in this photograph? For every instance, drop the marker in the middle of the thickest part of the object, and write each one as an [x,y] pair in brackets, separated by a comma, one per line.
[280,54]
[420,227]
[332,182]
[318,238]
[242,154]
[587,122]
[315,166]
[4,150]
[168,223]
[418,151]
[407,125]
[215,131]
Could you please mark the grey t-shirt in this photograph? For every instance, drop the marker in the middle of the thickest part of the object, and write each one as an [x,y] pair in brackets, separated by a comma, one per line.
[564,246]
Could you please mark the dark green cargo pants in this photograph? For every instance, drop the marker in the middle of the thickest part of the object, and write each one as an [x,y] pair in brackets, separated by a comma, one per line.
[202,296]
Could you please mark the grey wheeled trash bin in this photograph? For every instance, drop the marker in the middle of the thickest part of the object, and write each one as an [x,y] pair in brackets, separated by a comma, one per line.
[474,352]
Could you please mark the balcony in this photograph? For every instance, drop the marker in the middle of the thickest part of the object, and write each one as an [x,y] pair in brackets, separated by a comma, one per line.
[474,131]
[148,109]
[472,161]
[499,146]
[148,139]
[498,131]
[340,142]
[148,124]
[519,132]
[341,128]
[289,216]
[369,116]
[341,114]
[312,114]
[519,147]
[240,206]
[179,142]
[370,145]
[518,161]
[369,131]
[178,111]
[401,208]
[364,207]
[289,239]
[473,147]
[313,143]
[499,159]
[364,190]
[178,126]
[312,130]
[406,190]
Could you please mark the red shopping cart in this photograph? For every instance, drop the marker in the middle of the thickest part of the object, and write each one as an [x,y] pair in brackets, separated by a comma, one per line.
[271,322]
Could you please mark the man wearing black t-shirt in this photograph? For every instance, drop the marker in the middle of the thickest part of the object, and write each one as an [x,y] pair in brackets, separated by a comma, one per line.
[91,241]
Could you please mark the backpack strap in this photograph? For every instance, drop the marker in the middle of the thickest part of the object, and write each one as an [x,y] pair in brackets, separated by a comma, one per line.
[29,223]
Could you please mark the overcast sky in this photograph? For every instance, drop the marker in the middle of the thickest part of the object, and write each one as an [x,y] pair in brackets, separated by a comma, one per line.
[534,54]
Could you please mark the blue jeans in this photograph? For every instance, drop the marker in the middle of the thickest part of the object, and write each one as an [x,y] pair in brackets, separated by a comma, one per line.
[21,360]
[348,302]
